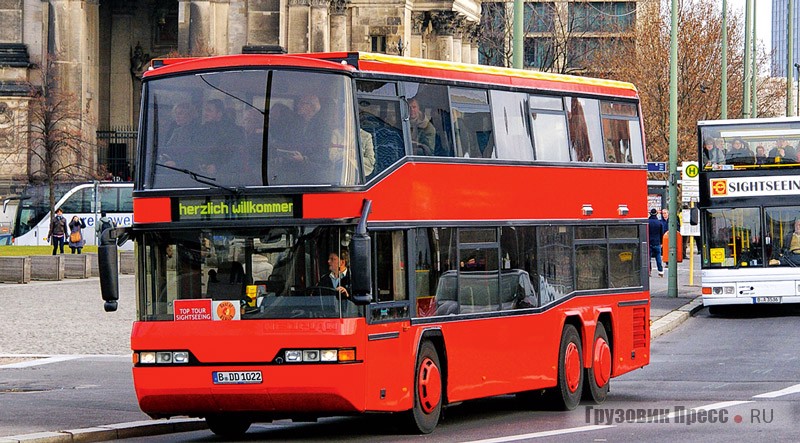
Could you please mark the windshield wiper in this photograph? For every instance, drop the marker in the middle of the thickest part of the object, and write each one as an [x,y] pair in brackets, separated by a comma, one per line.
[204,179]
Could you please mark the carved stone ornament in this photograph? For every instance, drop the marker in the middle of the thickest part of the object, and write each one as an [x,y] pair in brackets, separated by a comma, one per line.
[444,22]
[339,7]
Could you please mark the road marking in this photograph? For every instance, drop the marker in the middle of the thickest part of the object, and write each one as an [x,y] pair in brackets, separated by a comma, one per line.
[720,405]
[38,360]
[542,434]
[790,390]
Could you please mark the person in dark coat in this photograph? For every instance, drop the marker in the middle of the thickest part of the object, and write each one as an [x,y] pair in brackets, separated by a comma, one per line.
[655,233]
[58,231]
[339,277]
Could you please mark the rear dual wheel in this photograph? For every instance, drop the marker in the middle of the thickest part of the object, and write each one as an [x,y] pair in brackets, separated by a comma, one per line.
[599,375]
[567,394]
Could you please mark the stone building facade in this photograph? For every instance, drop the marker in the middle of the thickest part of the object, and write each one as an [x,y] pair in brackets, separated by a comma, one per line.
[97,51]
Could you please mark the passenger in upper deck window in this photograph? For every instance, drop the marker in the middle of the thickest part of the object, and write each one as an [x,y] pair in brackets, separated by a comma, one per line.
[423,134]
[783,152]
[740,154]
[761,155]
[309,132]
[185,131]
[712,155]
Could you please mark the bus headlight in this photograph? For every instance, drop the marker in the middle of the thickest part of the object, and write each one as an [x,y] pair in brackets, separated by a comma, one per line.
[161,357]
[293,356]
[345,355]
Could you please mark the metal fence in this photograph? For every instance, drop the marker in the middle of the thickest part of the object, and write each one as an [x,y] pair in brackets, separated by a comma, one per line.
[116,150]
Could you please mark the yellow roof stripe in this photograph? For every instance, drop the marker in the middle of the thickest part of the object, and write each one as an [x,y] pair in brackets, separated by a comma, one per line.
[484,69]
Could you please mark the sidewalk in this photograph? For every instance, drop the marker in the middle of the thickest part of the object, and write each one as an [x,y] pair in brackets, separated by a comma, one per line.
[666,312]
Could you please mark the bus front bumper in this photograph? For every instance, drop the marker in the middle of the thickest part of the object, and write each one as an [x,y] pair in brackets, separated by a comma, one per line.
[284,391]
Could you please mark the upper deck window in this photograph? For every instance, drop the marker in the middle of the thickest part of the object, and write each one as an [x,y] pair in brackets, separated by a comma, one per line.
[250,128]
[511,126]
[750,145]
[472,123]
[549,124]
[622,138]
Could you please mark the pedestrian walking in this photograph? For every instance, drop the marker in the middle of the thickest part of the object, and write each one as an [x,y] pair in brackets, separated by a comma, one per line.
[655,233]
[58,231]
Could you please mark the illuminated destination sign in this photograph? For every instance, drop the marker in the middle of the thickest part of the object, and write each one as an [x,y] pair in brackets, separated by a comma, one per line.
[754,186]
[185,209]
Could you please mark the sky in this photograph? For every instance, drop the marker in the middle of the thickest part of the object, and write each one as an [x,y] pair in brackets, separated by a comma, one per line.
[763,18]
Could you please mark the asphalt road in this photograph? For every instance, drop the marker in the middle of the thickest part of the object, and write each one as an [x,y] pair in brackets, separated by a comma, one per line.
[713,379]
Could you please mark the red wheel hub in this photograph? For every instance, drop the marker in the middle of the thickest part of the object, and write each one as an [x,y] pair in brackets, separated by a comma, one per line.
[572,367]
[602,362]
[429,385]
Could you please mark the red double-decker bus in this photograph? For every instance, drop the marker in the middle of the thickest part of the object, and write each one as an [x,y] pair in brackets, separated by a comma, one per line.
[341,233]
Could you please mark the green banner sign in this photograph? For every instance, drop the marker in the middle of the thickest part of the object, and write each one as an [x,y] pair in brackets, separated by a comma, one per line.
[186,209]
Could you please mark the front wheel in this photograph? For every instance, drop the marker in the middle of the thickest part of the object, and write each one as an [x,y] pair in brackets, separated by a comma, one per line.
[228,426]
[428,390]
[598,376]
[567,394]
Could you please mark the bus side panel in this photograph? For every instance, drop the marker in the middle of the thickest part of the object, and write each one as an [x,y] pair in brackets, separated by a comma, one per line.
[434,197]
[286,389]
[631,334]
[390,359]
[495,356]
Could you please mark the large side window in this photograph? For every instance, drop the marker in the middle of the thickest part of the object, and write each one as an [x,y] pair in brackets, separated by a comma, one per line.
[80,201]
[381,126]
[549,124]
[591,263]
[624,264]
[429,119]
[511,125]
[478,270]
[472,125]
[554,262]
[586,139]
[622,137]
[390,259]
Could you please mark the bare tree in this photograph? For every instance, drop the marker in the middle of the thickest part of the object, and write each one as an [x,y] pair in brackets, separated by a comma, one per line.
[646,65]
[58,150]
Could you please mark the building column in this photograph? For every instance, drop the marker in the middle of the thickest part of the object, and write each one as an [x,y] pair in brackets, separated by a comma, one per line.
[237,26]
[338,34]
[418,22]
[319,30]
[470,43]
[120,78]
[299,20]
[203,27]
[73,49]
[444,25]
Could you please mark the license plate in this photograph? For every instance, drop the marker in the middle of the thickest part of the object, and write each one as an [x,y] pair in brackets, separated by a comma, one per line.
[236,377]
[768,300]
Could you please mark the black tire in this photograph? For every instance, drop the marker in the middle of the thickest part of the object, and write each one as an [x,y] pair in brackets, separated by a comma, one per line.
[598,377]
[428,392]
[228,426]
[567,394]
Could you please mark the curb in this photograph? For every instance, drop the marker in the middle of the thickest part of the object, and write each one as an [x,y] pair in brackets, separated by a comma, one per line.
[675,318]
[111,432]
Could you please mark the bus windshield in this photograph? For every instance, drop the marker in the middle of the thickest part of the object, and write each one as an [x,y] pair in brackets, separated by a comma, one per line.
[254,127]
[286,272]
